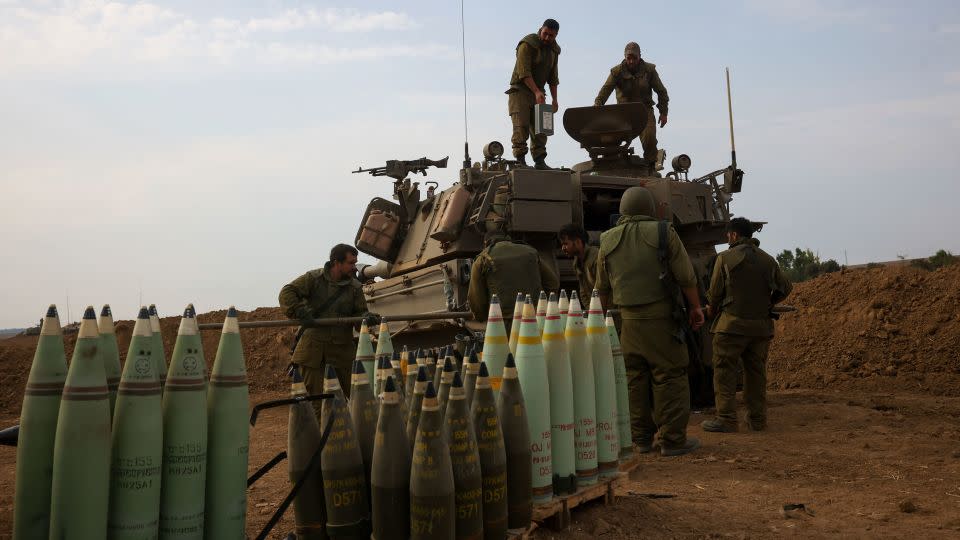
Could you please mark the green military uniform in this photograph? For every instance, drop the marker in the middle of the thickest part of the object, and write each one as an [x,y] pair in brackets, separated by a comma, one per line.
[538,60]
[638,85]
[745,285]
[315,295]
[656,362]
[506,268]
[587,272]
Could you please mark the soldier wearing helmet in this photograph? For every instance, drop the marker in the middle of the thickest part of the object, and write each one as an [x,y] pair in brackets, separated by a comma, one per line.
[628,274]
[635,81]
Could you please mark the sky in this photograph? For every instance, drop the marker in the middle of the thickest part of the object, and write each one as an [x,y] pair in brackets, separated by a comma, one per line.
[175,152]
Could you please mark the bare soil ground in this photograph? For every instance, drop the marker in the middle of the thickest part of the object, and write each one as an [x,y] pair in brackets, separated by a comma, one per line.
[864,425]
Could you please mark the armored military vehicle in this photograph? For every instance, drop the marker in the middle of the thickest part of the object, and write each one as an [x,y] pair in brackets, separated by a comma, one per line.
[426,242]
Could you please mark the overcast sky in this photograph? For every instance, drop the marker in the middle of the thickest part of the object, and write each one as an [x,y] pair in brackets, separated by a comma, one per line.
[201,151]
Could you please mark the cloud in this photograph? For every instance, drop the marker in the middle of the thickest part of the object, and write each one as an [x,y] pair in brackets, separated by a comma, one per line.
[97,36]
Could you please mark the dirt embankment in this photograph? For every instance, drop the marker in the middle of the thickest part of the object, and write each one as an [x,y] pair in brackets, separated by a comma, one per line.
[885,329]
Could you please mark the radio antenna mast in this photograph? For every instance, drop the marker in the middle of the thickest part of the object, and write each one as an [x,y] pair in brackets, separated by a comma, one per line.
[463,45]
[733,144]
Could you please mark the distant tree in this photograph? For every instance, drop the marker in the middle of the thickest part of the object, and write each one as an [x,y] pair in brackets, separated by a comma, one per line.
[938,260]
[804,264]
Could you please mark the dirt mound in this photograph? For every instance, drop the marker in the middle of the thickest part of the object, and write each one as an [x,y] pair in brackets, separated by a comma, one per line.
[266,350]
[888,329]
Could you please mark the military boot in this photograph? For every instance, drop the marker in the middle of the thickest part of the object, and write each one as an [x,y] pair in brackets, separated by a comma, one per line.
[716,425]
[540,163]
[669,451]
[521,160]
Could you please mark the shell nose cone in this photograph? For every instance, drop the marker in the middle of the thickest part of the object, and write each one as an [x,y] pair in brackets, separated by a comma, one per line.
[511,363]
[331,372]
[295,374]
[89,313]
[232,312]
[189,312]
[421,373]
[105,312]
[457,382]
[144,313]
[358,368]
[484,372]
[153,309]
[431,391]
[52,311]
[390,386]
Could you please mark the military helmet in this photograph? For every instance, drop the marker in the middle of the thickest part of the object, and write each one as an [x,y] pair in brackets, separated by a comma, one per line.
[637,201]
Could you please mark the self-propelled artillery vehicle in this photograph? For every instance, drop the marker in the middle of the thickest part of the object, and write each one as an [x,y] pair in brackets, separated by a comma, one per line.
[426,242]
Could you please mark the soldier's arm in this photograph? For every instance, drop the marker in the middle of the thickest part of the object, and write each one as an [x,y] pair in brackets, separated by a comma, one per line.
[603,282]
[605,90]
[683,274]
[525,56]
[663,99]
[359,300]
[293,297]
[716,292]
[784,286]
[477,294]
[548,279]
[554,80]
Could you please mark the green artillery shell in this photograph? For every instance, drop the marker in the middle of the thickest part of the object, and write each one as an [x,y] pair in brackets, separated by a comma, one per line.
[493,457]
[365,352]
[516,442]
[495,343]
[471,371]
[137,454]
[608,443]
[541,311]
[441,360]
[416,405]
[384,343]
[344,484]
[38,430]
[228,436]
[413,366]
[390,480]
[158,353]
[564,307]
[184,435]
[561,404]
[79,497]
[110,353]
[623,394]
[384,370]
[584,395]
[532,370]
[303,439]
[514,329]
[465,458]
[446,381]
[432,500]
[363,411]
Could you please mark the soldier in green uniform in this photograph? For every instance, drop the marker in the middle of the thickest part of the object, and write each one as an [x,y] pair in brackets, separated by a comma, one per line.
[628,273]
[331,291]
[745,285]
[574,242]
[536,66]
[636,80]
[504,268]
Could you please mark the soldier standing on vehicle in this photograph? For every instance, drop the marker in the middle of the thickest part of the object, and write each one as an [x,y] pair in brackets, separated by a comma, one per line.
[628,273]
[574,242]
[536,66]
[746,284]
[331,291]
[504,268]
[635,81]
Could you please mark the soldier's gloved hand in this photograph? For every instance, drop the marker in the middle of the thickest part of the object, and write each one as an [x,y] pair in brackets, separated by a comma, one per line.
[304,315]
[373,319]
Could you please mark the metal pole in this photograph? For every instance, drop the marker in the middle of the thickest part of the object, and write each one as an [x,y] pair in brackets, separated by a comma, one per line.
[733,145]
[341,321]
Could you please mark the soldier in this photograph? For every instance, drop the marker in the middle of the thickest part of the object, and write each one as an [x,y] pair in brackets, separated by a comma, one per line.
[575,243]
[745,285]
[628,269]
[636,80]
[504,268]
[331,291]
[536,66]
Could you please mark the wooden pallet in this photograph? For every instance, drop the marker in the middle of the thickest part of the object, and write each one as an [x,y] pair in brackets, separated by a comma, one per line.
[556,513]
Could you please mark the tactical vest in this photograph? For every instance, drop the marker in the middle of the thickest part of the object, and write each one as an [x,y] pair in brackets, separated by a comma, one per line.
[341,306]
[513,268]
[630,254]
[543,62]
[634,87]
[749,282]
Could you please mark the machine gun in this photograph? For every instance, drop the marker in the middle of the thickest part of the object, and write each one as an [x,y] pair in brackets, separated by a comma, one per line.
[399,169]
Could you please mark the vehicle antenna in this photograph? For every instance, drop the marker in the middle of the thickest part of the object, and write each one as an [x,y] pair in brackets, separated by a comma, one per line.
[733,145]
[463,44]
